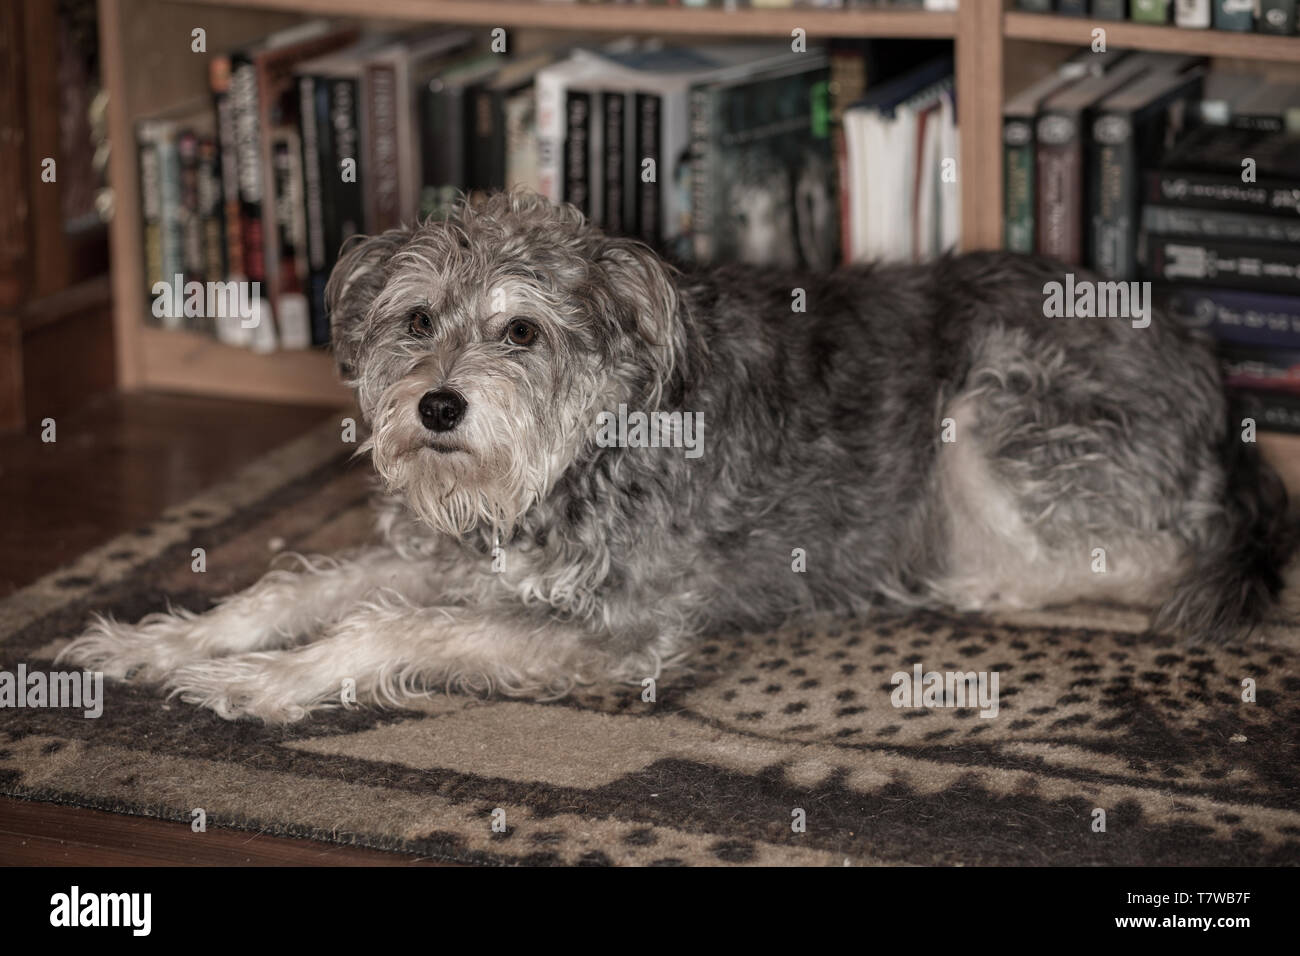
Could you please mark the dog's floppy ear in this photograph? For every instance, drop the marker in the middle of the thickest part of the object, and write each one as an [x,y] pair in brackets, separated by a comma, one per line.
[357,278]
[645,301]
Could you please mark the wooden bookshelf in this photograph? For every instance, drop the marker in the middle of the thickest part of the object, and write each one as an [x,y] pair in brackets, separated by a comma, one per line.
[1077,31]
[987,35]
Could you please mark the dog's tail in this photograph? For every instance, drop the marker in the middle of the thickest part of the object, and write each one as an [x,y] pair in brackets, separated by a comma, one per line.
[1231,587]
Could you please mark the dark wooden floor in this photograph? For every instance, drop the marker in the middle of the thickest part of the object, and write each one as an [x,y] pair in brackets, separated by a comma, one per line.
[117,464]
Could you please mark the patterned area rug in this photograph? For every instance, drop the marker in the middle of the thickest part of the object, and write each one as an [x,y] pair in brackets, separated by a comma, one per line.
[782,748]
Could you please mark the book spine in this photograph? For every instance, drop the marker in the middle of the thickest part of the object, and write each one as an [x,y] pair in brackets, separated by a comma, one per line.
[1150,11]
[292,315]
[1227,193]
[187,154]
[1110,9]
[1231,265]
[314,157]
[437,148]
[615,163]
[1205,223]
[1277,16]
[649,228]
[1072,8]
[1059,219]
[492,137]
[1272,410]
[348,173]
[577,152]
[1238,15]
[701,136]
[383,210]
[1260,321]
[550,127]
[173,228]
[1113,176]
[228,153]
[1035,6]
[1192,14]
[1018,185]
[210,211]
[248,166]
[151,212]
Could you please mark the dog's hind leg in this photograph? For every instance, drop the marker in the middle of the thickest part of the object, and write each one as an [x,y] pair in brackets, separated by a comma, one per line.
[282,606]
[388,651]
[1063,486]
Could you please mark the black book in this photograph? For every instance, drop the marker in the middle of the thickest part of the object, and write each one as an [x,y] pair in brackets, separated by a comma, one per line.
[649,227]
[1129,127]
[1236,15]
[318,165]
[1277,16]
[1225,264]
[577,150]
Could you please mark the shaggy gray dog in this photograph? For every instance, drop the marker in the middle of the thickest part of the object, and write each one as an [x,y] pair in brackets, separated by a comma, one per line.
[921,436]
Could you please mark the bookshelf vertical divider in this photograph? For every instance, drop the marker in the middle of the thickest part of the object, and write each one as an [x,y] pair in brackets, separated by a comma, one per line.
[152,358]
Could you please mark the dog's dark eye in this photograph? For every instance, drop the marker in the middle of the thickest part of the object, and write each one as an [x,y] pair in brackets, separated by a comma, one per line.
[421,322]
[521,332]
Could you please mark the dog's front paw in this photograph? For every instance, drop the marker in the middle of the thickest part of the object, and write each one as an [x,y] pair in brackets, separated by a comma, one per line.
[143,652]
[251,685]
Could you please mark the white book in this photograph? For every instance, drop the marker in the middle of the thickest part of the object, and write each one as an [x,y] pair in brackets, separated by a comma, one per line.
[950,192]
[1192,14]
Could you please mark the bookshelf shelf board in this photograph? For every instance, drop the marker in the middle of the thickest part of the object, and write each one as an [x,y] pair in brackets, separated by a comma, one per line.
[179,361]
[619,18]
[1077,31]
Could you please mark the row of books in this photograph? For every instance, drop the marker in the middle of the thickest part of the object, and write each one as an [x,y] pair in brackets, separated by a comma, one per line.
[932,5]
[1146,167]
[314,134]
[1259,16]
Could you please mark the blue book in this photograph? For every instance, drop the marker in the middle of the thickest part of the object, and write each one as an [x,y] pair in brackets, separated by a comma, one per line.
[1241,318]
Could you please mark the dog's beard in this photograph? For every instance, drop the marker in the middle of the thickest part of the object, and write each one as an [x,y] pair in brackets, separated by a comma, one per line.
[488,471]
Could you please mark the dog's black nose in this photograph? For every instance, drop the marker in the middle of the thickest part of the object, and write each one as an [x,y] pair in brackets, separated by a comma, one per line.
[441,410]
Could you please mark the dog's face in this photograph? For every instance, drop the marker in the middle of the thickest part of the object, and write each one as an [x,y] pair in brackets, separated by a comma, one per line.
[482,349]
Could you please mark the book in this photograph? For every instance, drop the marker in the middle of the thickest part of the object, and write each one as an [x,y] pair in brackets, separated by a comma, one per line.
[490,145]
[1018,152]
[1061,130]
[264,97]
[1035,6]
[1271,410]
[1277,16]
[1271,107]
[1110,9]
[231,221]
[885,134]
[577,184]
[1193,14]
[1205,223]
[1244,318]
[1222,149]
[1072,8]
[1225,263]
[395,73]
[1266,370]
[1226,192]
[318,164]
[292,311]
[1137,122]
[1236,15]
[151,220]
[1149,11]
[211,214]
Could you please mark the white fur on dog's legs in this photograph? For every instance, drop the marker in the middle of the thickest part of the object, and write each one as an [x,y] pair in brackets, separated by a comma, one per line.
[392,651]
[282,605]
